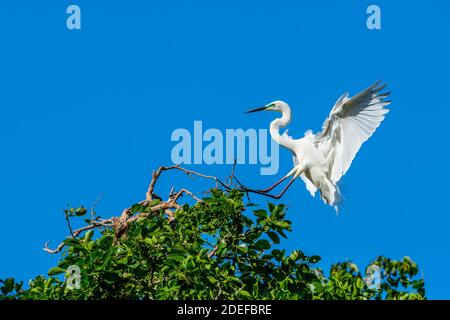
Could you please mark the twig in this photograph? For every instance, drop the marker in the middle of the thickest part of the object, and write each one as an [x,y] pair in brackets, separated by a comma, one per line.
[157,173]
[219,293]
[232,173]
[94,205]
[242,188]
[68,222]
[180,193]
[213,251]
[75,233]
[120,224]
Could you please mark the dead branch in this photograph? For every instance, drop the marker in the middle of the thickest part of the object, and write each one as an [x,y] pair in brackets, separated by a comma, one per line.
[95,205]
[68,223]
[157,173]
[95,224]
[232,173]
[213,251]
[120,224]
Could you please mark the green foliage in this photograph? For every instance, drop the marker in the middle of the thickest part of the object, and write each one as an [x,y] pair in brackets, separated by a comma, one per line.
[78,212]
[215,249]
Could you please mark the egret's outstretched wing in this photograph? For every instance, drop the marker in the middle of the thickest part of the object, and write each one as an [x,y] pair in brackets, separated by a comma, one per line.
[350,123]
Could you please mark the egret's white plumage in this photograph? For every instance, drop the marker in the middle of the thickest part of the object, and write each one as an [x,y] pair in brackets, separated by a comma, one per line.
[321,159]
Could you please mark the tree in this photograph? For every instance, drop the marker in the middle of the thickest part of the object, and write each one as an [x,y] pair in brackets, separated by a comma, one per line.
[218,247]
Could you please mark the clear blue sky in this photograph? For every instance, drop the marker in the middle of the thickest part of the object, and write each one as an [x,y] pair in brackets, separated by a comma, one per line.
[90,112]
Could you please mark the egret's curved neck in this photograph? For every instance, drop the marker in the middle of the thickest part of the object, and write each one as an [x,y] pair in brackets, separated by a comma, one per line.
[278,123]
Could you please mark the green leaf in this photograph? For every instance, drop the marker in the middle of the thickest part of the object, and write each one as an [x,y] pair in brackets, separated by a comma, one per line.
[8,286]
[260,213]
[243,247]
[315,286]
[105,242]
[245,294]
[274,237]
[88,235]
[276,253]
[359,283]
[212,279]
[55,270]
[81,211]
[295,255]
[278,212]
[110,277]
[283,225]
[314,259]
[175,257]
[137,207]
[91,245]
[262,244]
[154,202]
[221,247]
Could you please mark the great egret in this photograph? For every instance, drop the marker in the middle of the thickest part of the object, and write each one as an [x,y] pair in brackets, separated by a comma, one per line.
[321,159]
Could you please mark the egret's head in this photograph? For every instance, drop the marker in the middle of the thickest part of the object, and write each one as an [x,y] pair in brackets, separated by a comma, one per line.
[278,105]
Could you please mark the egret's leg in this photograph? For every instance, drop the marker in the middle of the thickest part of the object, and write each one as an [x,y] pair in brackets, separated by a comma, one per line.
[294,170]
[274,185]
[267,189]
[278,196]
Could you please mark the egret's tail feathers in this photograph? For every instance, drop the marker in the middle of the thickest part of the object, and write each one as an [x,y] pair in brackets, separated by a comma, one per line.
[330,194]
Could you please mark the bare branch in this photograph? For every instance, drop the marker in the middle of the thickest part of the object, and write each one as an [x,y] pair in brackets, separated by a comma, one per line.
[94,205]
[66,215]
[232,173]
[170,214]
[95,224]
[213,251]
[157,173]
[120,224]
[180,193]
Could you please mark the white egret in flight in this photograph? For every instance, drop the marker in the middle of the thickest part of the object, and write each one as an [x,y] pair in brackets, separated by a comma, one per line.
[321,159]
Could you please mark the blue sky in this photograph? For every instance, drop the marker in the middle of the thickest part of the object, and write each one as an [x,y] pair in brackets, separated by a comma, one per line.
[91,111]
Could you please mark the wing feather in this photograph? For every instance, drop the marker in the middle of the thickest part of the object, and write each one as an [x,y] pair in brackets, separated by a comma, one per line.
[351,122]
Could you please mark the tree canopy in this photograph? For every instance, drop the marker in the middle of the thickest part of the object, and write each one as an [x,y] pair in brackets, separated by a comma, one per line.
[218,247]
